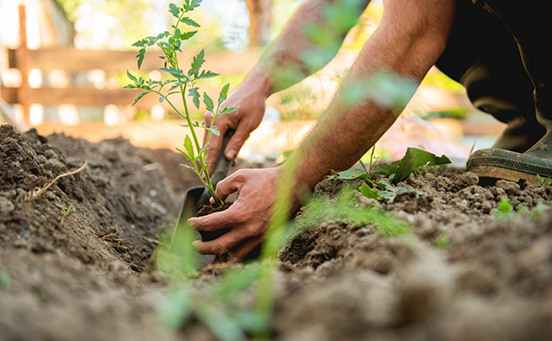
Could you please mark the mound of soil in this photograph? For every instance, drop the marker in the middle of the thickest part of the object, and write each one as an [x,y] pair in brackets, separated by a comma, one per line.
[84,273]
[80,279]
[464,274]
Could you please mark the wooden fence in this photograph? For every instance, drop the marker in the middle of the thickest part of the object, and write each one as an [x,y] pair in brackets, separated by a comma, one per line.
[73,61]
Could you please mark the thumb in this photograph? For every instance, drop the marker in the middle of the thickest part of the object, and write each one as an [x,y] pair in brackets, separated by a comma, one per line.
[236,143]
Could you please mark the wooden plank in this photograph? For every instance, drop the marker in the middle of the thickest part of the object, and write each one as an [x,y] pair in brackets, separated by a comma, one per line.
[73,60]
[93,97]
[22,57]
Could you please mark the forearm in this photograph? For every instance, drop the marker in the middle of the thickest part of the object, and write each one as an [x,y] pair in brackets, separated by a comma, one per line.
[307,43]
[348,129]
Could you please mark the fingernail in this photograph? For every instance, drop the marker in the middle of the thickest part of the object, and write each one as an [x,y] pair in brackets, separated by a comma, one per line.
[191,222]
[196,244]
[231,155]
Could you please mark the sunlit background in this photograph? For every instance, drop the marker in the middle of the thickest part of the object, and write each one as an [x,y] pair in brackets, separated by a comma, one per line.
[439,117]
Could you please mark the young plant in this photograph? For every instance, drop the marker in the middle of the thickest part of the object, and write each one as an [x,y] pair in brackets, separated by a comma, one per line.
[413,159]
[65,211]
[179,83]
[387,191]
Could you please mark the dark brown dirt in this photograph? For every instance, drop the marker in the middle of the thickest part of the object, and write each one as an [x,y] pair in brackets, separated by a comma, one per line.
[463,273]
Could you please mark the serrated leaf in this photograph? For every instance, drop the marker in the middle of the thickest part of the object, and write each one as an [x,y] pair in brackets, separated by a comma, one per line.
[223,94]
[352,174]
[140,96]
[189,22]
[193,5]
[176,73]
[188,145]
[208,102]
[195,96]
[228,110]
[141,43]
[131,77]
[186,35]
[140,56]
[197,62]
[207,74]
[174,10]
[214,130]
[162,35]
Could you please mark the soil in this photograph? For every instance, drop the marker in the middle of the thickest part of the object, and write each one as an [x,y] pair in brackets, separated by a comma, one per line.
[463,274]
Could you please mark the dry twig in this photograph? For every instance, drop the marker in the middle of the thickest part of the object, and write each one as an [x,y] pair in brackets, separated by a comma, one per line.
[32,197]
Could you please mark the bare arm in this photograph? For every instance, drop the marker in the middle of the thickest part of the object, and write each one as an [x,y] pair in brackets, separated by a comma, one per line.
[308,42]
[409,40]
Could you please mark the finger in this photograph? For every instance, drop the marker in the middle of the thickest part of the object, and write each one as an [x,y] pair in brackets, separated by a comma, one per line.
[236,142]
[215,221]
[222,244]
[229,185]
[247,246]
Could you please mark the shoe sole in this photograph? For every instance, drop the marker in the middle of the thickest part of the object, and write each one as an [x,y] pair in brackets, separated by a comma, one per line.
[508,165]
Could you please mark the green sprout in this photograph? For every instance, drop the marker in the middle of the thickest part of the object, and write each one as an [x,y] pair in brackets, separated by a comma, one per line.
[179,83]
[5,280]
[505,209]
[542,181]
[65,211]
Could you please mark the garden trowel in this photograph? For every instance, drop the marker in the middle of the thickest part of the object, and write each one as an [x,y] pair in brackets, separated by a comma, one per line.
[199,195]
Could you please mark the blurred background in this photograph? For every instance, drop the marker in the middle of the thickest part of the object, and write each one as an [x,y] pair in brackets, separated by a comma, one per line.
[63,64]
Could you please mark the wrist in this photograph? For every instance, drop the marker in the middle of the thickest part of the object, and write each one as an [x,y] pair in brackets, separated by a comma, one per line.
[258,80]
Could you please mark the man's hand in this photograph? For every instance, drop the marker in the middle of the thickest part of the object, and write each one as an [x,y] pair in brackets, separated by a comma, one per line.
[247,218]
[250,98]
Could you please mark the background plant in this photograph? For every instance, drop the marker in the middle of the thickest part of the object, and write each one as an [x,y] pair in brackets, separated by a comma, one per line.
[180,82]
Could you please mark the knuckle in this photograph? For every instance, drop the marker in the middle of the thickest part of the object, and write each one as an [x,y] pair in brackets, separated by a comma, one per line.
[217,249]
[251,231]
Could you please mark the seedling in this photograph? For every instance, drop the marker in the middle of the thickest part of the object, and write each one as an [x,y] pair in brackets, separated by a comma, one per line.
[543,181]
[387,191]
[413,159]
[64,211]
[505,209]
[443,241]
[181,82]
[396,171]
[5,280]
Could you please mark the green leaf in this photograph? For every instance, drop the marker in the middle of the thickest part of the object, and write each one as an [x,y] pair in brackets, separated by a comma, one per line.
[140,96]
[189,22]
[387,169]
[195,96]
[415,158]
[189,146]
[214,130]
[193,5]
[352,174]
[141,43]
[207,74]
[208,102]
[140,56]
[228,110]
[174,10]
[369,193]
[186,35]
[197,62]
[176,73]
[188,157]
[223,94]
